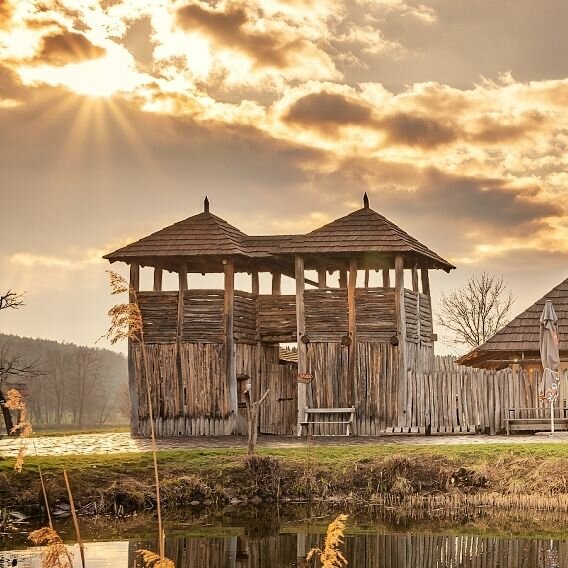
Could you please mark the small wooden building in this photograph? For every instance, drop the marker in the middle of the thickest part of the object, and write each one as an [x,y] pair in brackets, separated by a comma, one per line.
[517,346]
[356,344]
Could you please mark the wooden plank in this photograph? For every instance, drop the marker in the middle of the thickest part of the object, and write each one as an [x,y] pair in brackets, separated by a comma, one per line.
[229,343]
[425,281]
[301,329]
[343,278]
[134,285]
[386,278]
[322,278]
[366,284]
[401,334]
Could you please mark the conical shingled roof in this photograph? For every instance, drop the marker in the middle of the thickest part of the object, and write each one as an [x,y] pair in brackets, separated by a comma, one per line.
[363,230]
[521,335]
[201,234]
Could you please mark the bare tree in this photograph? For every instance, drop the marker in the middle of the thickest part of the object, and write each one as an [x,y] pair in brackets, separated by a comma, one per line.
[475,312]
[11,300]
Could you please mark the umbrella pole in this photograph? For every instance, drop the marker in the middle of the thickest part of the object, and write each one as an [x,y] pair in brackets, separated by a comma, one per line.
[551,417]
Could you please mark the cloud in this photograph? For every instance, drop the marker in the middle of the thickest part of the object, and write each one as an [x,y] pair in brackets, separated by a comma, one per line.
[324,110]
[414,130]
[231,29]
[66,47]
[492,130]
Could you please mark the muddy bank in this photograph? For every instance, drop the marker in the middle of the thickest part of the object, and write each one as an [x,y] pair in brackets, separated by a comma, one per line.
[411,481]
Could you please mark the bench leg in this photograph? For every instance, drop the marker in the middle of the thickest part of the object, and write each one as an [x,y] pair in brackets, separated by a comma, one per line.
[348,429]
[300,430]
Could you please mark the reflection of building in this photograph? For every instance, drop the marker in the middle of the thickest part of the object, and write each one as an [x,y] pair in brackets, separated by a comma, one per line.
[356,342]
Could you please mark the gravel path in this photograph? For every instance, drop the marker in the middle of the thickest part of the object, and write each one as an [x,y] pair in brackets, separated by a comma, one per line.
[115,442]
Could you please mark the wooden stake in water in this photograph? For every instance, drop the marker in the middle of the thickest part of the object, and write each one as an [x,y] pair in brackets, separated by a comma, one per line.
[75,521]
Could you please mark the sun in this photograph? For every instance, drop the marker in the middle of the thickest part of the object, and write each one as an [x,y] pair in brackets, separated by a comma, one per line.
[115,72]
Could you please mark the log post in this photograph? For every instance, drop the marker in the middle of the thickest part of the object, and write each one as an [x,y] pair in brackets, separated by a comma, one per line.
[415,279]
[322,278]
[343,278]
[132,382]
[386,278]
[276,283]
[182,278]
[301,330]
[158,272]
[255,284]
[425,281]
[229,343]
[401,335]
[352,369]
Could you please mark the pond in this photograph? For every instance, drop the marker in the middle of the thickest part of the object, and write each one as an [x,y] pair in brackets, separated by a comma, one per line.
[368,544]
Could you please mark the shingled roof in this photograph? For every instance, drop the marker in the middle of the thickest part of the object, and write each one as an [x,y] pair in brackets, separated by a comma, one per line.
[519,339]
[363,230]
[202,234]
[205,234]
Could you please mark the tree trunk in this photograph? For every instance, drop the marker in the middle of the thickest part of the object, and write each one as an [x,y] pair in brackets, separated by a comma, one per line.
[253,409]
[7,416]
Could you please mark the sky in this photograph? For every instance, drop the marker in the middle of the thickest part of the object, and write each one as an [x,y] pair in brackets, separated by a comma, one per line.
[117,117]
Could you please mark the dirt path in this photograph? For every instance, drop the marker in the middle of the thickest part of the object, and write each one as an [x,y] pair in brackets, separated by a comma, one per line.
[115,442]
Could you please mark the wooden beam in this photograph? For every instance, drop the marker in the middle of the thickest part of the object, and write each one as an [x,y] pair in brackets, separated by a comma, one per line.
[352,368]
[414,272]
[322,278]
[132,383]
[276,283]
[366,278]
[182,279]
[401,335]
[255,284]
[158,273]
[343,278]
[386,278]
[301,330]
[425,281]
[229,342]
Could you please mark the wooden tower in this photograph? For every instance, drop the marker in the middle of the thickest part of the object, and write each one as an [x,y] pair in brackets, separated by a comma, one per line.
[357,345]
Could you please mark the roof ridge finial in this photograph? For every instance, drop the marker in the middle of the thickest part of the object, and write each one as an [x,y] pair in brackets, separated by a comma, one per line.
[366,201]
[206,205]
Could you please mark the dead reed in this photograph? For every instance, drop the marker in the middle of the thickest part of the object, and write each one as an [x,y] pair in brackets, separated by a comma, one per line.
[126,323]
[15,401]
[75,520]
[331,555]
[56,554]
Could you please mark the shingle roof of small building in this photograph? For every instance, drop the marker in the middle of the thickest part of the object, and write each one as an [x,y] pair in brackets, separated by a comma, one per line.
[521,335]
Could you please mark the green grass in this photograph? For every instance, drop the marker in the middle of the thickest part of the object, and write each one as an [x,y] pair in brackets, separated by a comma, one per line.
[49,432]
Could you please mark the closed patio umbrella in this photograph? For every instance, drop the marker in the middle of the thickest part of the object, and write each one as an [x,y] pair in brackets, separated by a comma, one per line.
[550,357]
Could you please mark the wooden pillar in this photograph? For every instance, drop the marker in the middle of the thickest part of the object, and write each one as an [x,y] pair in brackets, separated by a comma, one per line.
[352,322]
[343,278]
[301,330]
[132,383]
[401,335]
[322,278]
[425,281]
[229,343]
[366,278]
[386,278]
[158,272]
[276,283]
[182,278]
[255,284]
[415,279]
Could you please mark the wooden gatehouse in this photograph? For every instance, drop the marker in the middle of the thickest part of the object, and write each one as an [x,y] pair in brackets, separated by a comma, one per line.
[357,343]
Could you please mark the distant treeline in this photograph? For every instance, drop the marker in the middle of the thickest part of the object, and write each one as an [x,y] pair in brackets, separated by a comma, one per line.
[66,383]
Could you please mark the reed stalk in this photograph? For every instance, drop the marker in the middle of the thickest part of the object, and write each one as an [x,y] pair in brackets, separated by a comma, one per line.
[75,520]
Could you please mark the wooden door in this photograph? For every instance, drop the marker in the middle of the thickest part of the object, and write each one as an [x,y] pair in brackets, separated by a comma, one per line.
[279,412]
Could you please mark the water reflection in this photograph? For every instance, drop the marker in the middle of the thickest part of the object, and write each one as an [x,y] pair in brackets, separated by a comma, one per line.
[371,550]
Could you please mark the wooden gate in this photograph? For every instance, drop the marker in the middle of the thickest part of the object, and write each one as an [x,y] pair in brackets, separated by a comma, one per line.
[279,413]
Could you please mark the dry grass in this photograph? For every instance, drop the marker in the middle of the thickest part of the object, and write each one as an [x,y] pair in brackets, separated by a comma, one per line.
[153,560]
[331,555]
[56,554]
[15,401]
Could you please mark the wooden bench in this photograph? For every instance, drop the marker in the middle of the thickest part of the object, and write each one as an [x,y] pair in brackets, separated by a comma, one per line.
[535,419]
[324,416]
